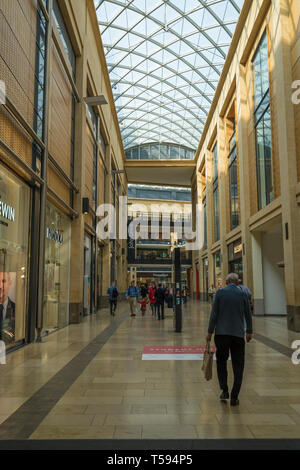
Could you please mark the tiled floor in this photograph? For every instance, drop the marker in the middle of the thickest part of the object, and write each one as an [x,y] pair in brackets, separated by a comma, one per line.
[118,395]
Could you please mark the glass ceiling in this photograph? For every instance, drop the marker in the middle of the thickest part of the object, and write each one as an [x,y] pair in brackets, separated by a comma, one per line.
[165,58]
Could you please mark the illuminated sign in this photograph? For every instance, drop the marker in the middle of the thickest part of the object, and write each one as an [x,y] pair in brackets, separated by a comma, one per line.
[7,211]
[237,248]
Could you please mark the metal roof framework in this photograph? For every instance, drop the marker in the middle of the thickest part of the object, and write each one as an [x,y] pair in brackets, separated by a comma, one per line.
[165,58]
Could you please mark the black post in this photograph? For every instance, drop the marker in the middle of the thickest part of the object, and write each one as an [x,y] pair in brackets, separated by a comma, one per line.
[177,290]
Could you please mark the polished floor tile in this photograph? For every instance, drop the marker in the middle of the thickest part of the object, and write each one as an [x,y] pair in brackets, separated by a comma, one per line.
[118,395]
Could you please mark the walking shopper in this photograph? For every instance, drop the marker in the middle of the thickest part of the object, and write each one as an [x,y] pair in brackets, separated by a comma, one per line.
[160,302]
[143,303]
[132,294]
[144,291]
[184,295]
[229,310]
[152,298]
[211,293]
[113,293]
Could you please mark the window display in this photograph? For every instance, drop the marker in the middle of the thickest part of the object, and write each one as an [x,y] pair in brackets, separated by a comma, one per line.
[57,263]
[14,253]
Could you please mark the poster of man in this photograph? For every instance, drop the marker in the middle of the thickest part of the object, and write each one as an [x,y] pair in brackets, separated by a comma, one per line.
[7,306]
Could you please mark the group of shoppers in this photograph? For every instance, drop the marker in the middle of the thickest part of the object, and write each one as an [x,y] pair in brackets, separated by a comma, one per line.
[230,322]
[156,297]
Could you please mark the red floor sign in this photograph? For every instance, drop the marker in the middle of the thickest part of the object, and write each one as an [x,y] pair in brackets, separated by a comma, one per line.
[179,353]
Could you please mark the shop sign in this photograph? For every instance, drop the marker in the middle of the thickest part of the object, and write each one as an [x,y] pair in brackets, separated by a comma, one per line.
[237,249]
[54,235]
[7,211]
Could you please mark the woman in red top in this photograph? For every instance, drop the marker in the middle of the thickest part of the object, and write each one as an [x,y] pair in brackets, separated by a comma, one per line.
[152,298]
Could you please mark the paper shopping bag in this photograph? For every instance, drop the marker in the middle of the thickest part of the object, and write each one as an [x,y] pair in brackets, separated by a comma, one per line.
[207,362]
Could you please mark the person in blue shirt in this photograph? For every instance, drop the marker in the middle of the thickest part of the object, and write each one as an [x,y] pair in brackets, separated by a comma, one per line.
[113,293]
[132,294]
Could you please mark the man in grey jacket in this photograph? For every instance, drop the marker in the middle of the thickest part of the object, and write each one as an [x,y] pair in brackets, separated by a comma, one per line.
[229,310]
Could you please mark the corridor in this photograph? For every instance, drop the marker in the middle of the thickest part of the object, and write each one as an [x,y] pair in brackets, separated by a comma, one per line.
[88,381]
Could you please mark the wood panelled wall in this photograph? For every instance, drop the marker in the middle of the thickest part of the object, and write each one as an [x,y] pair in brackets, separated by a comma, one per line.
[60,114]
[17,59]
[17,66]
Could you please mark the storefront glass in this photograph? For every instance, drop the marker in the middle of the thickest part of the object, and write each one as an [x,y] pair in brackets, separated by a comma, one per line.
[87,282]
[14,254]
[205,278]
[235,258]
[57,269]
[217,270]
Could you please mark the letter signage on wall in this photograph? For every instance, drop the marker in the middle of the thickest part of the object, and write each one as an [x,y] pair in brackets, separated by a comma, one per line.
[7,211]
[54,235]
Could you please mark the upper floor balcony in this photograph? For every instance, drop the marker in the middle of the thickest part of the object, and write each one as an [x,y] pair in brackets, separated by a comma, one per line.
[157,151]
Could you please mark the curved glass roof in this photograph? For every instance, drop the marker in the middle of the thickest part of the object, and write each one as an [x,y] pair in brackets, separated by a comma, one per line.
[165,58]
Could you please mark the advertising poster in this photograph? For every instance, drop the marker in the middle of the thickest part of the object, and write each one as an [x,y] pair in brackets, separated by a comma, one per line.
[7,306]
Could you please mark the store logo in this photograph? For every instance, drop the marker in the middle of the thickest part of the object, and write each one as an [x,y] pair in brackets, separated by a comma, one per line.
[2,92]
[7,211]
[55,236]
[2,353]
[296,354]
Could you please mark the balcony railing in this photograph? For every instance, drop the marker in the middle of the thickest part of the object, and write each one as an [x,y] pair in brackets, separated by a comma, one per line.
[158,218]
[139,259]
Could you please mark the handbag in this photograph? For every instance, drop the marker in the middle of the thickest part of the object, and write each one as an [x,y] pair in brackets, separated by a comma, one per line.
[207,362]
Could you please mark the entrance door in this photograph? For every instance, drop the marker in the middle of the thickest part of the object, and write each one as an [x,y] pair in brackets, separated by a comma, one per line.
[273,275]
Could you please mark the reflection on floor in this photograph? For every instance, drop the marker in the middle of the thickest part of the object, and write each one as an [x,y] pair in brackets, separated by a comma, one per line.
[117,395]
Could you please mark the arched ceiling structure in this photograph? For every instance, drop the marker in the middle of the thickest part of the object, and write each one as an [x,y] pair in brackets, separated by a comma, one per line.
[165,58]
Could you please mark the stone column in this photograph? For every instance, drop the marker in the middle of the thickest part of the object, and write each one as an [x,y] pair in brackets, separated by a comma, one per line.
[223,196]
[258,280]
[243,119]
[107,247]
[210,216]
[77,228]
[283,107]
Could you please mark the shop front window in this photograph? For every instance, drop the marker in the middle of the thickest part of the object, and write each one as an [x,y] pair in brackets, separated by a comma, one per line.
[205,278]
[217,270]
[88,275]
[233,189]
[14,254]
[57,267]
[262,118]
[235,258]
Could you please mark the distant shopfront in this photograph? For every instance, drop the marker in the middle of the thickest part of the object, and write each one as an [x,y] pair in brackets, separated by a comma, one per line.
[15,214]
[235,258]
[89,275]
[217,270]
[57,269]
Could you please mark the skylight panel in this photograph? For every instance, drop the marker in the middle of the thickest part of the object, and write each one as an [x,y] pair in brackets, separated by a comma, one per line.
[164,61]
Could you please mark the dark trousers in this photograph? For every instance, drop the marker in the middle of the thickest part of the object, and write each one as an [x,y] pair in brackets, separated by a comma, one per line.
[113,305]
[160,309]
[153,308]
[236,346]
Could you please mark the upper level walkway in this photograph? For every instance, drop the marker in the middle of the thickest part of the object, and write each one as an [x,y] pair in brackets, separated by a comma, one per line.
[89,381]
[160,172]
